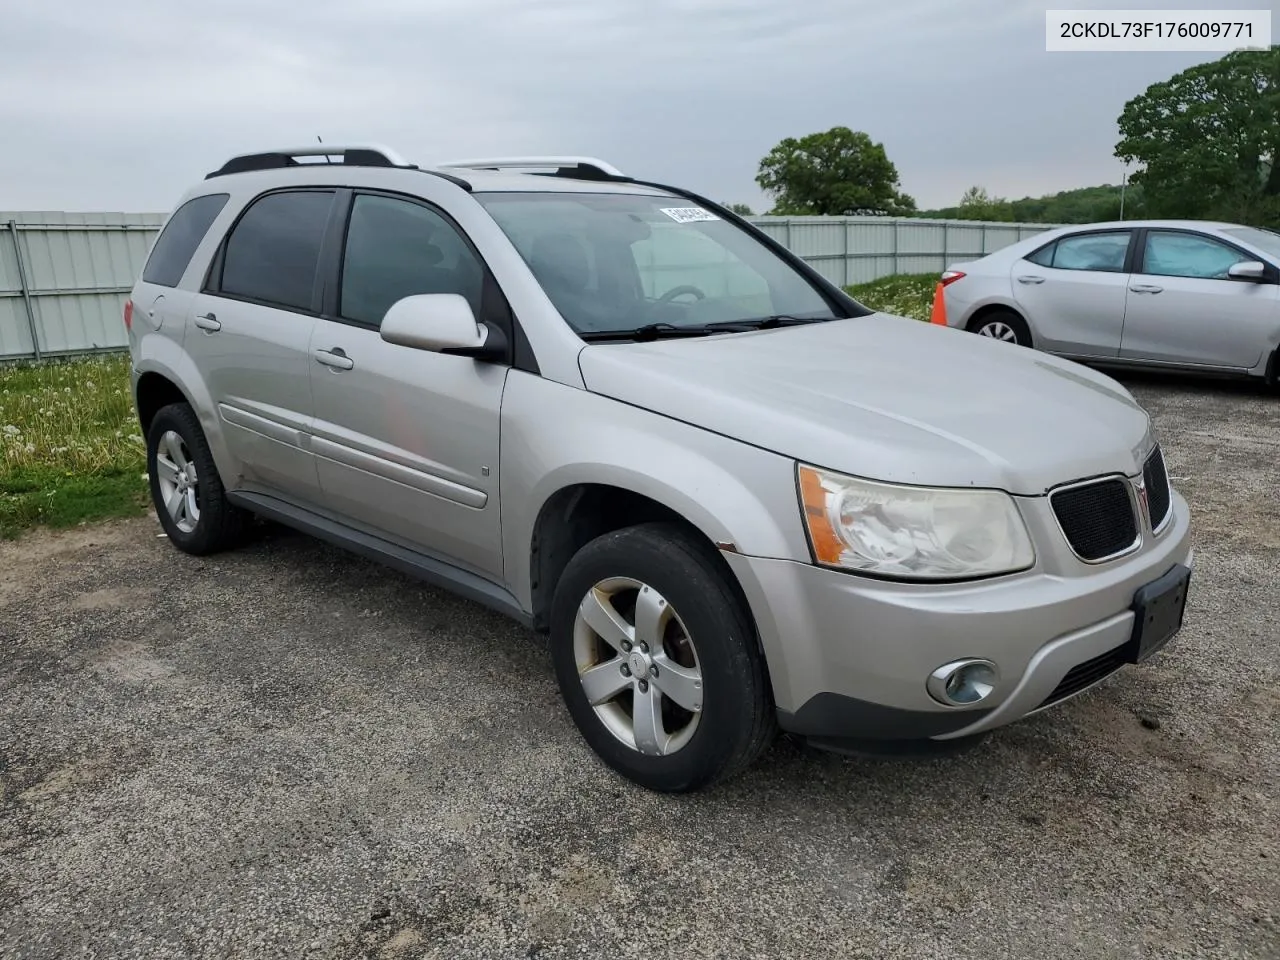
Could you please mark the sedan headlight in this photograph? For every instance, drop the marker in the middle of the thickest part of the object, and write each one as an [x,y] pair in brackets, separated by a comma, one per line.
[912,533]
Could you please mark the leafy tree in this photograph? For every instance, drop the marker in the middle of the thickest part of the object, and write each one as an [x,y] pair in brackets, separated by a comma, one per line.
[837,173]
[1207,140]
[977,204]
[741,209]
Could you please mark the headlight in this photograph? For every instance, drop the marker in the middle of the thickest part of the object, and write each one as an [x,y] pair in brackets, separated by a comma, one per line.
[914,533]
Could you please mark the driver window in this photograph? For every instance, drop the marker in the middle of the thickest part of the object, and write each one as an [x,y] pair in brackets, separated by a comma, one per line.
[676,255]
[1188,255]
[397,248]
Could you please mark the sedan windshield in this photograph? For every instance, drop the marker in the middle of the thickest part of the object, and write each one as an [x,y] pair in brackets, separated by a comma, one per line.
[614,262]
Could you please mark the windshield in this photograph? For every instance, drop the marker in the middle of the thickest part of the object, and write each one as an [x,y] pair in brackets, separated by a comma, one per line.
[616,262]
[1262,239]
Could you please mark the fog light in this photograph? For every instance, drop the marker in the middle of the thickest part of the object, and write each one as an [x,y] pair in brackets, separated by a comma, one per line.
[963,683]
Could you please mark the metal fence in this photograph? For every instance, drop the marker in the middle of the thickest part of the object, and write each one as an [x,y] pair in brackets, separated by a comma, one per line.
[64,277]
[848,250]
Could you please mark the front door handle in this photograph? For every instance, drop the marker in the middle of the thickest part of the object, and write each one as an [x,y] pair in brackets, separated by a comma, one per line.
[208,323]
[335,358]
[1145,288]
[1030,278]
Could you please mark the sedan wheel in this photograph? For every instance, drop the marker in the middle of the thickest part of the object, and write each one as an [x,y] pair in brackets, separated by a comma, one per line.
[997,330]
[1003,325]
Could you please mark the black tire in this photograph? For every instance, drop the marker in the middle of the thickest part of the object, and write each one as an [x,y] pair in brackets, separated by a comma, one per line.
[1011,320]
[737,721]
[219,525]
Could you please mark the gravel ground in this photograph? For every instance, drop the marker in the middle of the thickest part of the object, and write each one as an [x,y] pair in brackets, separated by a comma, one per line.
[288,752]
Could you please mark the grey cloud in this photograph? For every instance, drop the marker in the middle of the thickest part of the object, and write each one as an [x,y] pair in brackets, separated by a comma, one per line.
[120,105]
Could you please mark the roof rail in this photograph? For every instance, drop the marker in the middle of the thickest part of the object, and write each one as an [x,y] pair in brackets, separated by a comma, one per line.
[354,155]
[581,168]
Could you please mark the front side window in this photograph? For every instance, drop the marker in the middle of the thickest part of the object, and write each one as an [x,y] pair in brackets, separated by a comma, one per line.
[397,249]
[1172,254]
[1092,251]
[1266,240]
[273,252]
[180,237]
[611,261]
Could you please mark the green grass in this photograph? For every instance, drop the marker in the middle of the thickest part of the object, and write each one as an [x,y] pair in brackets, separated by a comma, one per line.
[907,294]
[70,447]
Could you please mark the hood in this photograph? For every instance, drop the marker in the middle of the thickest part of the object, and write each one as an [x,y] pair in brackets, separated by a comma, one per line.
[890,399]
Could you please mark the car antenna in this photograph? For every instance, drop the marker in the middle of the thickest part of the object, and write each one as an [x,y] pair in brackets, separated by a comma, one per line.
[318,140]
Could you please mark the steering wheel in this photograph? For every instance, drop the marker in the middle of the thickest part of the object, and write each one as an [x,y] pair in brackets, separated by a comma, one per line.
[680,292]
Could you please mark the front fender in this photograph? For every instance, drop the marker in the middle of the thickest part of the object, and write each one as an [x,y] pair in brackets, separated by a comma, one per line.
[555,436]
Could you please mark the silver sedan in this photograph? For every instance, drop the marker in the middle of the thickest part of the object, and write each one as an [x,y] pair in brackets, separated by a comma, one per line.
[1176,294]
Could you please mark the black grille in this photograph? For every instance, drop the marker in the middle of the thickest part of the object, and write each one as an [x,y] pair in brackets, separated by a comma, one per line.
[1087,674]
[1156,479]
[1097,518]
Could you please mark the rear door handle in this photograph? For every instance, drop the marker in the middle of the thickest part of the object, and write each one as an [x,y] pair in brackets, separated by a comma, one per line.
[1145,288]
[335,358]
[1030,278]
[208,322]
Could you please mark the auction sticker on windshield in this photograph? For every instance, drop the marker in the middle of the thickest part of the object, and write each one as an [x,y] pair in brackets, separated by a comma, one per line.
[688,214]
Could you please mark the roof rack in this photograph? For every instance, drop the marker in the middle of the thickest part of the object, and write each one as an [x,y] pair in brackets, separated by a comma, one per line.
[355,155]
[578,168]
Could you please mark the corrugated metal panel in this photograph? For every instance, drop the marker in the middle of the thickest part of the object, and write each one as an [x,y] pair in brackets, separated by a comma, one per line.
[80,266]
[920,264]
[71,323]
[922,238]
[866,269]
[15,333]
[79,270]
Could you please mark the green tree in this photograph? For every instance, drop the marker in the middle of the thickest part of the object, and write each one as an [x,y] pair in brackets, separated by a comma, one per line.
[977,204]
[1207,140]
[1083,205]
[741,209]
[836,173]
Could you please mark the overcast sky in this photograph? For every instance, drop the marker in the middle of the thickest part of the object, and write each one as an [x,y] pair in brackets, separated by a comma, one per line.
[120,104]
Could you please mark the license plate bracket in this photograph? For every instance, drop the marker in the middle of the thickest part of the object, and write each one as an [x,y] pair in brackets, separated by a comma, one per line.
[1158,610]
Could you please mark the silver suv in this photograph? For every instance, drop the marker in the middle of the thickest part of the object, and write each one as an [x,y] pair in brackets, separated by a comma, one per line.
[733,498]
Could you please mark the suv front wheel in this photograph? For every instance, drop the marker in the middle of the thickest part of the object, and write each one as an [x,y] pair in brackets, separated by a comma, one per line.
[657,660]
[185,487]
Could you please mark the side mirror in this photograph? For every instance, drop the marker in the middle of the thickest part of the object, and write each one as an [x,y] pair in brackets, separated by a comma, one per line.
[441,323]
[1254,270]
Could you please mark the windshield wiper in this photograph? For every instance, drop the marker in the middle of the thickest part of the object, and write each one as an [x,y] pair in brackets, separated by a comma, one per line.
[764,323]
[663,331]
[650,331]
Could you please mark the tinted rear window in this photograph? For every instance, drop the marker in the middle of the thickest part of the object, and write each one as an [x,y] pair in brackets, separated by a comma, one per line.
[274,251]
[180,237]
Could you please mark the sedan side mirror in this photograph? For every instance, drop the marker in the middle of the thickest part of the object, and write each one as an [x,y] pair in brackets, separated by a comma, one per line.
[442,323]
[1254,270]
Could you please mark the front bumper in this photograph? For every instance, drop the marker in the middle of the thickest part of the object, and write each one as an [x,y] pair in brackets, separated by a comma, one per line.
[849,657]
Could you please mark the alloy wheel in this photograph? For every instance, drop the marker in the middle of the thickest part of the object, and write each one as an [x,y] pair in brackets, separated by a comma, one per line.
[179,485]
[638,666]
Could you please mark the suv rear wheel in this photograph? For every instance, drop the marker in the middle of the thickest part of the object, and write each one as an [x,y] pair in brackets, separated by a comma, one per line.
[185,487]
[658,662]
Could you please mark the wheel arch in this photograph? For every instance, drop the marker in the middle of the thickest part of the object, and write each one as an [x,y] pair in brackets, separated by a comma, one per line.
[577,513]
[166,374]
[154,391]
